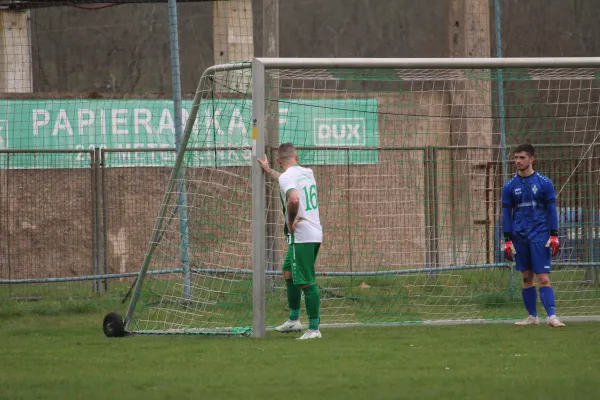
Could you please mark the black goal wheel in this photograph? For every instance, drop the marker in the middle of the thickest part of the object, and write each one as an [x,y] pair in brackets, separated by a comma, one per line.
[113,325]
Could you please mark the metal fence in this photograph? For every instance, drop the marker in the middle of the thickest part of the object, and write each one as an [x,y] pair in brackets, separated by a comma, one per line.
[75,225]
[69,223]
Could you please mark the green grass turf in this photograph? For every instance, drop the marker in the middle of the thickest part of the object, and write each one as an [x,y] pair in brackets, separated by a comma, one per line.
[68,357]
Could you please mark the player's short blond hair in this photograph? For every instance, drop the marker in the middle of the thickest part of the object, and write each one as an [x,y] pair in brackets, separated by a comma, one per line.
[286,150]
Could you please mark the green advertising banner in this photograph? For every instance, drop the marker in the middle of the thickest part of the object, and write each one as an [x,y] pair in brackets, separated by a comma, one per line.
[149,124]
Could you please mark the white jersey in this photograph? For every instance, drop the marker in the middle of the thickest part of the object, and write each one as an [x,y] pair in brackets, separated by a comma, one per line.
[302,179]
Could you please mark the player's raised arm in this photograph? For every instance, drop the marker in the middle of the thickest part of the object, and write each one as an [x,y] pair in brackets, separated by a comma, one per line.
[264,163]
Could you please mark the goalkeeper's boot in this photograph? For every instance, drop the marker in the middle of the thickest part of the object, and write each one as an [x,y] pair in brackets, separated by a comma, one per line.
[289,326]
[554,322]
[311,334]
[530,320]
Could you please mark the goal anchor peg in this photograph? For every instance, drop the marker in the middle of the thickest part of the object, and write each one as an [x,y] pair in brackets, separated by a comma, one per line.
[113,325]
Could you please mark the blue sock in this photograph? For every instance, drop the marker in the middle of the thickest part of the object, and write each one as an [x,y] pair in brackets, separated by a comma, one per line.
[547,297]
[530,300]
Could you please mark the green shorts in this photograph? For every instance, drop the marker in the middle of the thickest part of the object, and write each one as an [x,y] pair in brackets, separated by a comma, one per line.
[300,260]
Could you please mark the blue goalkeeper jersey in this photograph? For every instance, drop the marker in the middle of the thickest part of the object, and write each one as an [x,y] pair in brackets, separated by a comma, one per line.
[529,208]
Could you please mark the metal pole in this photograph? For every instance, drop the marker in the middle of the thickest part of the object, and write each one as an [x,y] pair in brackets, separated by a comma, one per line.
[104,216]
[427,209]
[501,110]
[430,194]
[7,223]
[271,49]
[93,212]
[587,212]
[95,223]
[431,63]
[181,188]
[502,115]
[435,208]
[258,200]
[594,220]
[98,212]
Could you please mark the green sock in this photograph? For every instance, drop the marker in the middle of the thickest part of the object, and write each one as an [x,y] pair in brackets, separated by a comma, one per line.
[313,303]
[294,295]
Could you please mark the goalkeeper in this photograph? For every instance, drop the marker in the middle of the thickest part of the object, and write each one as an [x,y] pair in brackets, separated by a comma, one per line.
[298,190]
[530,225]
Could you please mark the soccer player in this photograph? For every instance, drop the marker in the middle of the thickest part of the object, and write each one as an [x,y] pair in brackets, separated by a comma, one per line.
[530,225]
[298,190]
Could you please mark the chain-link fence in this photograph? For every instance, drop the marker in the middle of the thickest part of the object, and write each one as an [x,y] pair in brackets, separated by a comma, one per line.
[75,226]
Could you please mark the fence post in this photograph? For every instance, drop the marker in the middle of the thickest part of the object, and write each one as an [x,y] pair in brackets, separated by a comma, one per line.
[587,212]
[431,218]
[181,186]
[271,49]
[7,224]
[97,217]
[94,216]
[104,217]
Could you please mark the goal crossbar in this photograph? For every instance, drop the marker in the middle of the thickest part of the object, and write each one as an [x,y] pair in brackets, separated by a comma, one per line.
[429,63]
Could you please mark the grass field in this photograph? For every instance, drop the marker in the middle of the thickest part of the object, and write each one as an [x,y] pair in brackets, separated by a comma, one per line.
[68,357]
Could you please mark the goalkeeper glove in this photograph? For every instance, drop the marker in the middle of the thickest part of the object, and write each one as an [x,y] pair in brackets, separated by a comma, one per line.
[509,249]
[554,243]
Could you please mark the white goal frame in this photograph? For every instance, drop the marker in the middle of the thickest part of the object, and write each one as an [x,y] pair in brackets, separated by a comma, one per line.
[259,67]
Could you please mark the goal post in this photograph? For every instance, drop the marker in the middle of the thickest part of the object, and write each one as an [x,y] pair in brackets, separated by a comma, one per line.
[259,204]
[408,157]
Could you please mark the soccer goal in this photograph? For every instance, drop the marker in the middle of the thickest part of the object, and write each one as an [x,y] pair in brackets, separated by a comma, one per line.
[409,156]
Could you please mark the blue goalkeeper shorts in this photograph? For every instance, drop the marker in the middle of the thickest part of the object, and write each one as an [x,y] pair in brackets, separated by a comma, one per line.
[533,256]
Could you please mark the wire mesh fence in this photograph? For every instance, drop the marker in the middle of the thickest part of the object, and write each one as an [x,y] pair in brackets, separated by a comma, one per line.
[75,225]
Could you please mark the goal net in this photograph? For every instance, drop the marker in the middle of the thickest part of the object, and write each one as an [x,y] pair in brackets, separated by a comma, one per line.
[409,156]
